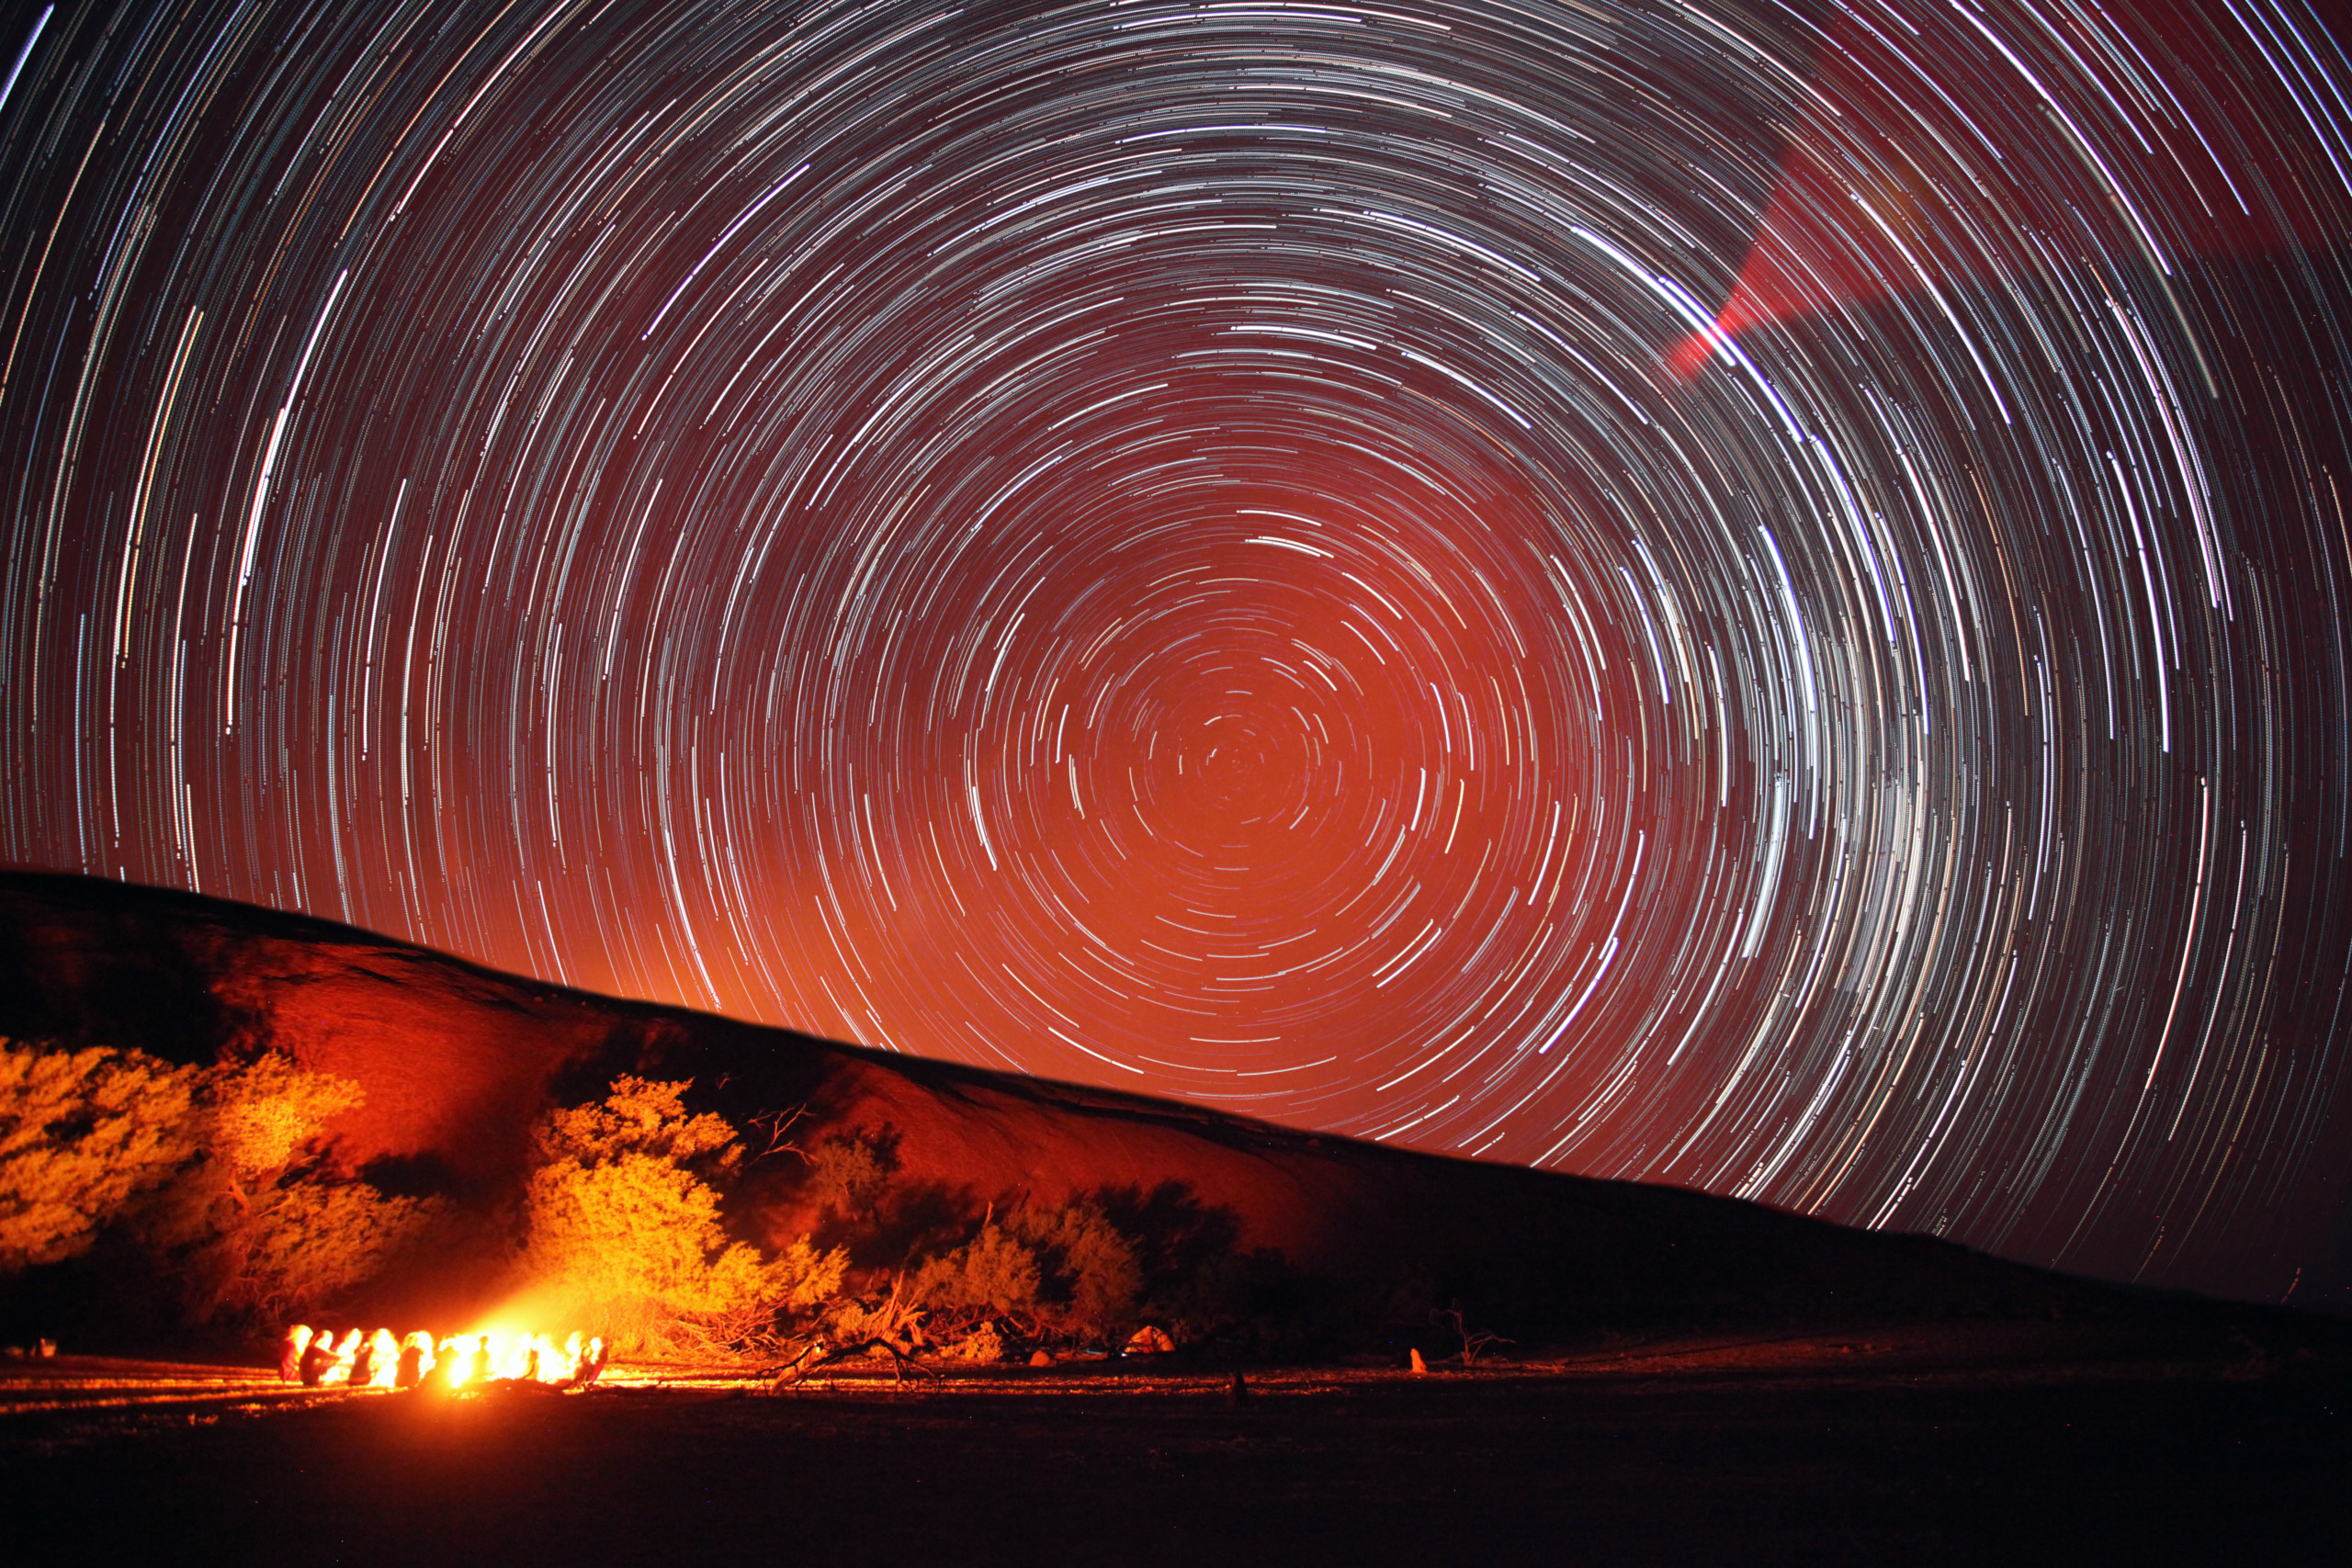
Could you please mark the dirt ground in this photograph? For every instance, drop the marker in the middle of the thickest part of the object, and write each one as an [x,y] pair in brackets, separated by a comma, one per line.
[1959,1444]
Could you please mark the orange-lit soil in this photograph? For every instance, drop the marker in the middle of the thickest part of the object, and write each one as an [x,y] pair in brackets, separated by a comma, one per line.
[1954,1443]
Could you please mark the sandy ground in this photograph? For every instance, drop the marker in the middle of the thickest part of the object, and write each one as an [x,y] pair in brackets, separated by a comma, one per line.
[1960,1444]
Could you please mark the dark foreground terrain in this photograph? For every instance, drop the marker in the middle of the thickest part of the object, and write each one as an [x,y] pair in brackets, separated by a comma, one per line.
[1954,1443]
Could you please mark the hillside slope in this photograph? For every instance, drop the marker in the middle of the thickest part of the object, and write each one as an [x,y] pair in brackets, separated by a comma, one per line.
[455,1063]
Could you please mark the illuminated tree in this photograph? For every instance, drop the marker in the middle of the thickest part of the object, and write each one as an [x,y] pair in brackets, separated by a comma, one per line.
[853,1169]
[217,1175]
[1091,1275]
[82,1133]
[994,1275]
[1068,1270]
[267,1226]
[313,1242]
[626,1235]
[640,1117]
[259,1115]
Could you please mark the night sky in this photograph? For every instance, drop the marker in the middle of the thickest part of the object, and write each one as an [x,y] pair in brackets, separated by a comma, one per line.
[1727,593]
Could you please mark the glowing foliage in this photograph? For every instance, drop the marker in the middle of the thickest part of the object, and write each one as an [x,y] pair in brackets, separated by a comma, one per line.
[640,1117]
[853,1168]
[270,1227]
[262,1112]
[309,1242]
[1091,1261]
[82,1133]
[1068,1270]
[994,1274]
[219,1175]
[627,1237]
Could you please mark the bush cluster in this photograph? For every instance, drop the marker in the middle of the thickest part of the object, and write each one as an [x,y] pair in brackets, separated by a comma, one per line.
[221,1181]
[946,1272]
[1066,1272]
[623,1232]
[219,1174]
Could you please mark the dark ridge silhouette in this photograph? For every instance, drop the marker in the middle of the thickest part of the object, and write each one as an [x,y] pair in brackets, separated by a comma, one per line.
[1327,1240]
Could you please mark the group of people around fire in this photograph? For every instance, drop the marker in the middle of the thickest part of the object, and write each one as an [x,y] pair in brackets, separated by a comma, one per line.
[319,1358]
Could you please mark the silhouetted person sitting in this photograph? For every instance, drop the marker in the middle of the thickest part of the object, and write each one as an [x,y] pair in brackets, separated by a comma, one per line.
[410,1371]
[592,1364]
[318,1356]
[478,1363]
[363,1364]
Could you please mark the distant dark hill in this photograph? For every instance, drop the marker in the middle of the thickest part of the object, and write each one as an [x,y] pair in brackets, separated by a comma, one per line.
[457,1061]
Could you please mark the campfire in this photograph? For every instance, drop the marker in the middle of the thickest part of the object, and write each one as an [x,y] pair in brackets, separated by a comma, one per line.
[484,1358]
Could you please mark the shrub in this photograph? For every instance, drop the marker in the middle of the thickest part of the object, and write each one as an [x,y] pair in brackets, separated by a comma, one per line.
[82,1133]
[853,1169]
[308,1244]
[258,1116]
[214,1176]
[266,1228]
[1065,1272]
[983,1344]
[1091,1276]
[626,1238]
[993,1275]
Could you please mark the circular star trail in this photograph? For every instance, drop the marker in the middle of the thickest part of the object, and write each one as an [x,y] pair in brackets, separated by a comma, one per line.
[1738,595]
